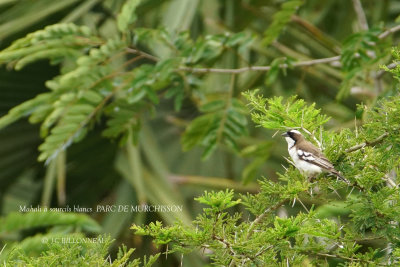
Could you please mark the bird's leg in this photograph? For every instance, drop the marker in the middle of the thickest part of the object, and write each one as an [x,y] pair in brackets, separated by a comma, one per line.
[312,178]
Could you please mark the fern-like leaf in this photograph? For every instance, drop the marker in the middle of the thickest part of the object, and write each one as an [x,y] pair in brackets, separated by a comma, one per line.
[124,120]
[54,42]
[222,123]
[22,221]
[281,18]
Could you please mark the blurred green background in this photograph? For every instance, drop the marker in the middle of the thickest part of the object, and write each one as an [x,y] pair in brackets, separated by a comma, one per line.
[96,170]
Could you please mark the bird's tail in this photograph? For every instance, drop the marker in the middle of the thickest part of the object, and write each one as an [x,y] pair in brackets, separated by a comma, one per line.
[338,175]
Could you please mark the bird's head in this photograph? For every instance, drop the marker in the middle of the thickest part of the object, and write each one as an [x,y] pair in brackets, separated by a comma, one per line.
[292,137]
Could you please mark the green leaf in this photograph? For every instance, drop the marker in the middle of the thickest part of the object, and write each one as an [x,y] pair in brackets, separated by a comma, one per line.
[127,15]
[281,18]
[213,106]
[124,118]
[272,74]
[274,113]
[223,123]
[22,221]
[218,201]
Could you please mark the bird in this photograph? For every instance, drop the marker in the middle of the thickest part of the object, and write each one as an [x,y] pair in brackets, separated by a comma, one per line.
[307,158]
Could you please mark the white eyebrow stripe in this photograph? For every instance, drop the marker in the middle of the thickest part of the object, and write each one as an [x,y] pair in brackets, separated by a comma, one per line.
[295,131]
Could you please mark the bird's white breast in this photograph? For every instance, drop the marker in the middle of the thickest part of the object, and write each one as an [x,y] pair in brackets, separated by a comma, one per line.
[305,167]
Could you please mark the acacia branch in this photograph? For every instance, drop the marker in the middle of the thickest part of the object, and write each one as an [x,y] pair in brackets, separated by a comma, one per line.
[226,244]
[263,215]
[388,32]
[367,143]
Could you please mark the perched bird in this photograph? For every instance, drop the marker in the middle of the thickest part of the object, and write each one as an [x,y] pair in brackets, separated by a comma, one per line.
[307,157]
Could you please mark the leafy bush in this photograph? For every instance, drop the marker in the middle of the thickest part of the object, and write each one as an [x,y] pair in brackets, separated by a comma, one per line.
[361,227]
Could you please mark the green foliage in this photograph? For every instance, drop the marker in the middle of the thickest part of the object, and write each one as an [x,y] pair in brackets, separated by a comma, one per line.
[396,70]
[224,122]
[39,104]
[218,201]
[44,228]
[312,236]
[112,75]
[281,18]
[275,114]
[357,49]
[63,244]
[73,253]
[95,84]
[127,15]
[260,152]
[68,254]
[361,51]
[22,221]
[55,42]
[66,113]
[124,119]
[276,69]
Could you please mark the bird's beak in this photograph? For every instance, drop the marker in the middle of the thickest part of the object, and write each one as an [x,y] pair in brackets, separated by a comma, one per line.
[285,134]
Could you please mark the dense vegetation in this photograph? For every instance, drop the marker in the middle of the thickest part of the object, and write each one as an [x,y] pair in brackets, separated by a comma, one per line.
[112,103]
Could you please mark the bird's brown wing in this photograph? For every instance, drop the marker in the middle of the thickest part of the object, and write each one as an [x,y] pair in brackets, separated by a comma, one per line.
[308,152]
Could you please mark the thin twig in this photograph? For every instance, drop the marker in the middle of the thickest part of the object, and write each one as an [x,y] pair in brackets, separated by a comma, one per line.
[1,251]
[362,19]
[367,143]
[282,66]
[388,32]
[261,68]
[228,104]
[261,251]
[390,67]
[262,216]
[391,183]
[226,244]
[144,54]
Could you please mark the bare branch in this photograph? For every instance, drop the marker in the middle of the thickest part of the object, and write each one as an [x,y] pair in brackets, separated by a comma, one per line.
[261,68]
[262,215]
[362,19]
[367,143]
[388,32]
[141,53]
